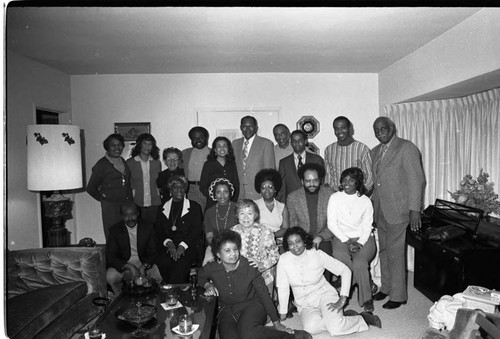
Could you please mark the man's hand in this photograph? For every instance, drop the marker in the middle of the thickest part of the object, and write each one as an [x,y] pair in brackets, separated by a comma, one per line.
[316,241]
[415,220]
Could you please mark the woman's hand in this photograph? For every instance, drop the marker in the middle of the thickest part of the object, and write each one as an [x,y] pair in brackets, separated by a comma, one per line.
[339,305]
[280,327]
[180,251]
[253,263]
[355,247]
[211,290]
[317,241]
[171,250]
[282,317]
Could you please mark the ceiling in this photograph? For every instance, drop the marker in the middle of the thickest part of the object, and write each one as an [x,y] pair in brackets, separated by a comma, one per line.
[146,40]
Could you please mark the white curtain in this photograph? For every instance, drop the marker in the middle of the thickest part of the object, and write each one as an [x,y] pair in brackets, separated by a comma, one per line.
[455,136]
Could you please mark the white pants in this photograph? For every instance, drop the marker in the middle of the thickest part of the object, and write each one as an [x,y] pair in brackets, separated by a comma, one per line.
[315,320]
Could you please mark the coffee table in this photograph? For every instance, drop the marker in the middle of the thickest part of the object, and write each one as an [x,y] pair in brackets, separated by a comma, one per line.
[202,310]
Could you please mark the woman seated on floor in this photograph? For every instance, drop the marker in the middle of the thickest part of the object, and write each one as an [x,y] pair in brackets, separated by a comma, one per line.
[350,218]
[244,303]
[320,308]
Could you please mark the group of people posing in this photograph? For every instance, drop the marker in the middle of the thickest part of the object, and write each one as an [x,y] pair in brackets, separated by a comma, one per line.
[258,218]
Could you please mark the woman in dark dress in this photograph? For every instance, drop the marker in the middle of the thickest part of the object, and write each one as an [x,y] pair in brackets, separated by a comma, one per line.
[221,216]
[220,164]
[179,228]
[172,157]
[244,303]
[109,182]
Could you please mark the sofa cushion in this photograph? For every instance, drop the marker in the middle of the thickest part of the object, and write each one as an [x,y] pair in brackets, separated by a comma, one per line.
[32,269]
[30,312]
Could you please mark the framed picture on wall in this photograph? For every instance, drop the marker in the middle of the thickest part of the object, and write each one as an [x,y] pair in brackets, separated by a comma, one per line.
[131,130]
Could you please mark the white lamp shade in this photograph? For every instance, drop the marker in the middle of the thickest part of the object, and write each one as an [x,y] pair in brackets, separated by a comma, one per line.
[54,157]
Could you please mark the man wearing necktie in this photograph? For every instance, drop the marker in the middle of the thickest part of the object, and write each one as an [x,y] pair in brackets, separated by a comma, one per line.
[252,153]
[290,165]
[397,199]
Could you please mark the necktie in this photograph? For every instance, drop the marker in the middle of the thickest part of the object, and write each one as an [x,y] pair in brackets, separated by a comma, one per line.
[299,165]
[245,153]
[381,154]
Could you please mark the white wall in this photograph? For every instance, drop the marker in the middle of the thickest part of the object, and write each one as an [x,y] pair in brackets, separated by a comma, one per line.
[169,102]
[468,50]
[30,84]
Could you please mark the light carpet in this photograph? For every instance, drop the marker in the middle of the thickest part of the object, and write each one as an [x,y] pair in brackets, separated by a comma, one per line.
[406,322]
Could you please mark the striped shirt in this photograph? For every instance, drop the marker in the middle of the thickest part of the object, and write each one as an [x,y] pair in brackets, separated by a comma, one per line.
[338,158]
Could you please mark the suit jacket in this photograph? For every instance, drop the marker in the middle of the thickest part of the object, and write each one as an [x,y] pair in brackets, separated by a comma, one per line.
[399,181]
[260,156]
[118,245]
[189,226]
[288,171]
[299,214]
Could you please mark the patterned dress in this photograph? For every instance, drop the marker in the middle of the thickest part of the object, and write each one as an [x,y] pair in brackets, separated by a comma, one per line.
[258,243]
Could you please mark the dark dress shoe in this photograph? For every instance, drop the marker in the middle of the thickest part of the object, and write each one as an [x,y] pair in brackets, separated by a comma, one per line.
[368,306]
[393,304]
[350,313]
[371,319]
[373,287]
[301,334]
[379,296]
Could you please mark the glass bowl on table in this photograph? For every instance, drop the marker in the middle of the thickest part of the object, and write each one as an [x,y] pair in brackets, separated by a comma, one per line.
[137,315]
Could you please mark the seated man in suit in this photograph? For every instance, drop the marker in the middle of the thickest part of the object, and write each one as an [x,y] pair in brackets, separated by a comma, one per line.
[289,165]
[307,207]
[130,249]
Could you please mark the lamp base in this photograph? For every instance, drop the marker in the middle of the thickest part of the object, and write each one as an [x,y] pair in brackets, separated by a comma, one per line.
[57,237]
[57,208]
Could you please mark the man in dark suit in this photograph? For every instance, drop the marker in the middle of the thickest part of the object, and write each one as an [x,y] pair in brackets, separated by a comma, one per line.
[130,249]
[397,200]
[289,165]
[252,153]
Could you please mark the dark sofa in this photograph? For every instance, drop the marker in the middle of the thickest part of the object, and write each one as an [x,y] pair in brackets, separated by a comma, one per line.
[50,291]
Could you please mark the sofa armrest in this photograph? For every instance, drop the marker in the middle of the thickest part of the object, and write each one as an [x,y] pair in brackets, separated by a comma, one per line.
[32,269]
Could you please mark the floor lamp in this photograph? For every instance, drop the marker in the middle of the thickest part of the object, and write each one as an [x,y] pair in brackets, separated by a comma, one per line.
[55,164]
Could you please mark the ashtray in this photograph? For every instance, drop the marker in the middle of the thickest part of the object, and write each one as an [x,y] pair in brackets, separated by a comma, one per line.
[194,328]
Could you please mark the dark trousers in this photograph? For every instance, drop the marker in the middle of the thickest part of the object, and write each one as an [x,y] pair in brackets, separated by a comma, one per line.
[247,320]
[327,247]
[111,214]
[175,272]
[149,214]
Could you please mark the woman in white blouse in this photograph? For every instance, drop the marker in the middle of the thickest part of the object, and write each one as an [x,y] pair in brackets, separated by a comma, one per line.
[320,308]
[350,218]
[273,213]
